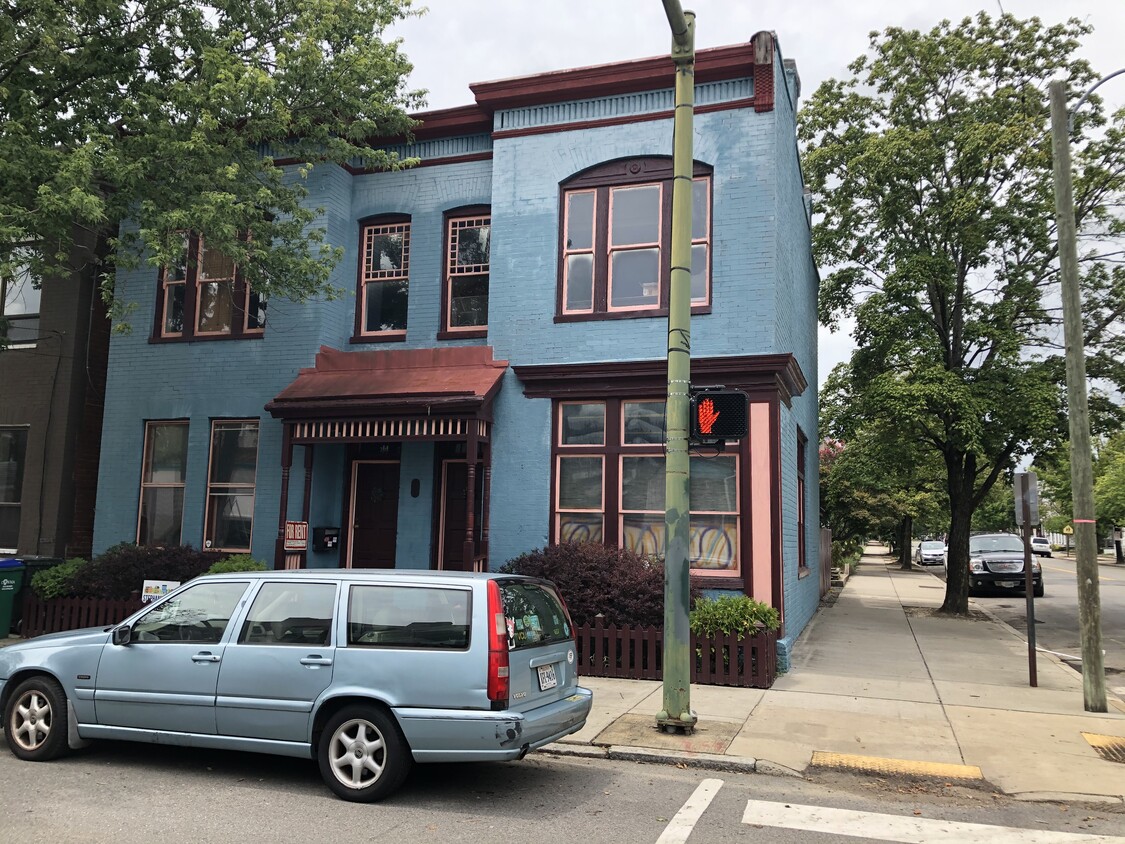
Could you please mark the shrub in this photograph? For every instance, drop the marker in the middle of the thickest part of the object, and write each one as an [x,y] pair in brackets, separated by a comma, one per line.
[55,581]
[737,614]
[236,562]
[624,587]
[121,570]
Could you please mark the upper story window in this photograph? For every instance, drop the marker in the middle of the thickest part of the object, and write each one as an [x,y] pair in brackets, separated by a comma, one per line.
[204,295]
[19,307]
[616,240]
[465,293]
[384,279]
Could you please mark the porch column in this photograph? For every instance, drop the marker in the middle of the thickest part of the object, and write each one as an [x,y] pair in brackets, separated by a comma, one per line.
[308,481]
[487,491]
[469,551]
[286,462]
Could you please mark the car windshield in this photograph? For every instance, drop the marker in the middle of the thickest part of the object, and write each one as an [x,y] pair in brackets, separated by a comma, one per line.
[933,546]
[994,544]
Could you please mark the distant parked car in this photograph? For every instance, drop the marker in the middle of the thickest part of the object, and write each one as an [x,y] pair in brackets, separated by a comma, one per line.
[930,553]
[996,562]
[366,672]
[1041,545]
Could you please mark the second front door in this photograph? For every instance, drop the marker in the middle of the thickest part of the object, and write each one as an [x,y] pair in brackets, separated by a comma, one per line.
[374,513]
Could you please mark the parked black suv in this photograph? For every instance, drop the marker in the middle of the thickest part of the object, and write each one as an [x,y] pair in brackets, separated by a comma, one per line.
[996,562]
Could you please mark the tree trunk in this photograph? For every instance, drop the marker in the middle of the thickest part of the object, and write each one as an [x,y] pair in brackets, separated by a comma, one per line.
[961,477]
[906,546]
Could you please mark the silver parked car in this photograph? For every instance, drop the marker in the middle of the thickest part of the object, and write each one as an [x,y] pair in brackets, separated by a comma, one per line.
[930,553]
[365,671]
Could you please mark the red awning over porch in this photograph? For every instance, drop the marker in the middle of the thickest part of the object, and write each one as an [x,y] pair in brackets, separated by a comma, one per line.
[455,379]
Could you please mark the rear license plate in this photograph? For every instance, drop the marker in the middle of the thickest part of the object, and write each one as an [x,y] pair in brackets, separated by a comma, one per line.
[547,678]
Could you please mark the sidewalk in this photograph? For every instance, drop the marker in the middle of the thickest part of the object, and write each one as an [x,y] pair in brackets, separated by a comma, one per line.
[880,684]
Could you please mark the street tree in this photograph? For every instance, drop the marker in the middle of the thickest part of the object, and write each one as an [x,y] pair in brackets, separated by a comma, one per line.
[191,116]
[930,169]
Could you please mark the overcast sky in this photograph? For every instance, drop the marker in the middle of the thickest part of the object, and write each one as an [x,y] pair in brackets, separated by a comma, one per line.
[458,42]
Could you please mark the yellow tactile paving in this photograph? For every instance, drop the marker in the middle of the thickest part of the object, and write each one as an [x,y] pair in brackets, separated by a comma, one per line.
[876,764]
[1108,747]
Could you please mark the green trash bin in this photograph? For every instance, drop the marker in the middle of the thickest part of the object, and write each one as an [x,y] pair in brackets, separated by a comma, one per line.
[11,581]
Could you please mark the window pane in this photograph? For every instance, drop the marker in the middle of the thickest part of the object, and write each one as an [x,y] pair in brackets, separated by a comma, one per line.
[636,215]
[177,271]
[162,516]
[534,615]
[230,519]
[473,246]
[21,296]
[255,311]
[700,208]
[579,282]
[291,614]
[644,422]
[386,306]
[582,424]
[580,527]
[9,526]
[13,447]
[642,483]
[216,265]
[198,614]
[580,220]
[234,452]
[580,483]
[469,303]
[174,308]
[699,272]
[166,453]
[21,330]
[216,306]
[714,484]
[643,534]
[386,252]
[714,542]
[635,278]
[408,617]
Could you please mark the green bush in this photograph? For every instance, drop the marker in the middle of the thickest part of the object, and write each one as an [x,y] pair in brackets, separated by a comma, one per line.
[121,570]
[237,562]
[737,614]
[55,581]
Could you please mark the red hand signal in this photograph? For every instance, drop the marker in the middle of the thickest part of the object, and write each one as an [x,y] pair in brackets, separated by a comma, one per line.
[707,416]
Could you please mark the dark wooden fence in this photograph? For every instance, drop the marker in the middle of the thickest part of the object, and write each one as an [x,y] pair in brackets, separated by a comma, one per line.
[60,614]
[637,653]
[825,561]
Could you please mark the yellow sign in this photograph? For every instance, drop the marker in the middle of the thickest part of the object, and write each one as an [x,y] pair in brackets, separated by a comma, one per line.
[1068,530]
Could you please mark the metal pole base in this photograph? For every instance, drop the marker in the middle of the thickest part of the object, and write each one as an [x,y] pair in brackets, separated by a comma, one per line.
[685,724]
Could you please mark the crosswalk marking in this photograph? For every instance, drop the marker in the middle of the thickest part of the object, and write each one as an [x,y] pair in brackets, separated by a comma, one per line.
[680,827]
[902,829]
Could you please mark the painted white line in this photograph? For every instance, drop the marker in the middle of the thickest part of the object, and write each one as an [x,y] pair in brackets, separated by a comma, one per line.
[902,829]
[680,827]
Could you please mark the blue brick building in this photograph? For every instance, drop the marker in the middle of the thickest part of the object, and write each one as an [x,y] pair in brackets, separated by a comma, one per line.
[493,380]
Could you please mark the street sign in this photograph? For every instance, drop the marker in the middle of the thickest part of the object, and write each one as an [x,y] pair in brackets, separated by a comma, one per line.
[1026,487]
[718,415]
[1068,530]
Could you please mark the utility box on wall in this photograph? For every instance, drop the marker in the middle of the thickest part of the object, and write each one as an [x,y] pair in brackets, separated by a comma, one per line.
[326,538]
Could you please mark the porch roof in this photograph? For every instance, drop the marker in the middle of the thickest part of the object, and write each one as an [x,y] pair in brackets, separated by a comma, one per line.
[457,380]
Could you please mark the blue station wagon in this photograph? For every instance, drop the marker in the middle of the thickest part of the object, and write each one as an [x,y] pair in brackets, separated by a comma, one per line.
[367,672]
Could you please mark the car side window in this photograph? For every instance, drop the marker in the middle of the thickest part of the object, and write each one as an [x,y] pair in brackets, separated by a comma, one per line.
[290,614]
[408,617]
[196,614]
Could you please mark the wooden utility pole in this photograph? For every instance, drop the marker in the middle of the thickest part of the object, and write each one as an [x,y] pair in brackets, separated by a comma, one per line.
[1081,469]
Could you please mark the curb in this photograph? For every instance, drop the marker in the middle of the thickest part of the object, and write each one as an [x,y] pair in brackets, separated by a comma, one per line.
[702,761]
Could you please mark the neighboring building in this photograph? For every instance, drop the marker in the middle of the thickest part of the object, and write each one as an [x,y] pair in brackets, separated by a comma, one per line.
[52,382]
[510,307]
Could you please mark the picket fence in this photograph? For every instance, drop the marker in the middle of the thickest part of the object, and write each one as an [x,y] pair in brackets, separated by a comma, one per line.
[637,653]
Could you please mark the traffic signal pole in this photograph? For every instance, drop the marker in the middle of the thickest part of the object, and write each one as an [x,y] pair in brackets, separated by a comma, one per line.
[676,713]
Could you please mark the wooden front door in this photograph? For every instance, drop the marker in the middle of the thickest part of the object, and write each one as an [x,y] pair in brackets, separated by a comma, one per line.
[374,523]
[455,486]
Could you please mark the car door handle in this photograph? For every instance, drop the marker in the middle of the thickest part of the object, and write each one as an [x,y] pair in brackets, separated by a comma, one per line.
[315,659]
[205,656]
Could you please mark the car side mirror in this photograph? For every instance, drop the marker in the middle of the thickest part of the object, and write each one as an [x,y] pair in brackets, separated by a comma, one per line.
[122,635]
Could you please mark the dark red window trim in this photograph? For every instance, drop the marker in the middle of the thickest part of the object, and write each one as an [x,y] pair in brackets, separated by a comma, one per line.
[802,503]
[445,333]
[358,336]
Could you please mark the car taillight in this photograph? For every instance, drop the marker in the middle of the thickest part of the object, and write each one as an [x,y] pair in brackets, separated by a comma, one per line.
[499,681]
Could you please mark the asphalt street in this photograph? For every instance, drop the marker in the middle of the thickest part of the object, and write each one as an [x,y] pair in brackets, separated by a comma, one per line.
[124,793]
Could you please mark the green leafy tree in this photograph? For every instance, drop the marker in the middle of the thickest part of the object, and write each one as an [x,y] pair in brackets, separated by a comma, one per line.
[931,174]
[191,116]
[1109,486]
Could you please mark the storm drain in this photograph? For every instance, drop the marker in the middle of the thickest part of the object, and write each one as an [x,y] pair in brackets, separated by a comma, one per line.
[1110,748]
[909,767]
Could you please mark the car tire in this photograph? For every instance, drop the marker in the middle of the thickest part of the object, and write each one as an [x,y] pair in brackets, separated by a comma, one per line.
[1038,590]
[35,720]
[362,754]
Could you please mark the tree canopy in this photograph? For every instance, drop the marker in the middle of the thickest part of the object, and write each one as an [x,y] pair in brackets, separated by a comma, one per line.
[931,175]
[191,116]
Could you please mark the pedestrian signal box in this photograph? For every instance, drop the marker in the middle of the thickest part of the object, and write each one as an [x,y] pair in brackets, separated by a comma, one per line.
[718,414]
